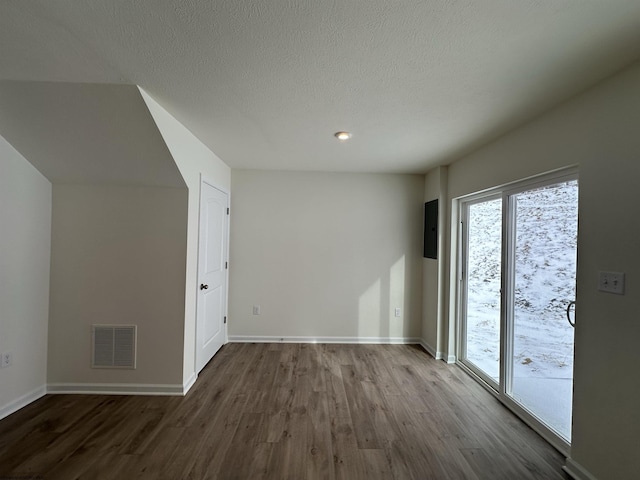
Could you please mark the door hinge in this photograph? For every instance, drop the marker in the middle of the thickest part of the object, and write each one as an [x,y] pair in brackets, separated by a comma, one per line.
[227,210]
[225,319]
[226,265]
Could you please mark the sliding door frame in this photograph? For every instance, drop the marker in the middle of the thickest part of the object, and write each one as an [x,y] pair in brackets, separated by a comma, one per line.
[503,390]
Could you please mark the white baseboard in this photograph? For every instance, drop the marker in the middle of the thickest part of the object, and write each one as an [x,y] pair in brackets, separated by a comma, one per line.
[436,354]
[429,349]
[22,401]
[273,339]
[115,389]
[577,471]
[189,383]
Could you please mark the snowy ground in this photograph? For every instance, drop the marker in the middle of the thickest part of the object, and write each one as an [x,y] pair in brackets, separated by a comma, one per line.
[546,234]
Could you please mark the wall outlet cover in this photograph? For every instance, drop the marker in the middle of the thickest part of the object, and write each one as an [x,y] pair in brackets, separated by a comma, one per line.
[7,359]
[611,282]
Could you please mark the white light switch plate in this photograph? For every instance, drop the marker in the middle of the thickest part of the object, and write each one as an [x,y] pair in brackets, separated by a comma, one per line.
[6,359]
[611,282]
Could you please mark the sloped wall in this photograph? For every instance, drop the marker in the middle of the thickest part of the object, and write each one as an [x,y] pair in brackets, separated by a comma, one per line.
[119,228]
[195,161]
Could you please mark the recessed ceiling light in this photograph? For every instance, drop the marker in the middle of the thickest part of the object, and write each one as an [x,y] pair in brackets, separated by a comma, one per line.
[343,135]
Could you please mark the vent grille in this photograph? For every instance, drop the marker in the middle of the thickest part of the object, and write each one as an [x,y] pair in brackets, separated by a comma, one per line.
[113,346]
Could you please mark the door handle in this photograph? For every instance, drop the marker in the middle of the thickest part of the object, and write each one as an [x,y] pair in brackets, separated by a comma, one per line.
[203,286]
[573,324]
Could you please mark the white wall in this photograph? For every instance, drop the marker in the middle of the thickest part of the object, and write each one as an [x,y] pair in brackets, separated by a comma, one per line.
[193,159]
[118,257]
[25,246]
[598,131]
[325,255]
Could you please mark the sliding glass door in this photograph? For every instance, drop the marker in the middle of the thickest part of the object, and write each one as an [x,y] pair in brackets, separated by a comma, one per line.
[482,271]
[545,231]
[517,282]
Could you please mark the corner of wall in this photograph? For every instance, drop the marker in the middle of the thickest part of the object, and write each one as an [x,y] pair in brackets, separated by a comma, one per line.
[25,252]
[434,308]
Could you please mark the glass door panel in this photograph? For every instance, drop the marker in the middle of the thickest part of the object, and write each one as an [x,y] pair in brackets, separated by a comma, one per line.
[482,273]
[545,229]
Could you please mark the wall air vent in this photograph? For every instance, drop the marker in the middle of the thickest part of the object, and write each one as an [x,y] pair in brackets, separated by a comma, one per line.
[113,346]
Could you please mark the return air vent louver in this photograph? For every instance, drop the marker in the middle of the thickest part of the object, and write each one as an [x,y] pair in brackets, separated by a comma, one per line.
[113,346]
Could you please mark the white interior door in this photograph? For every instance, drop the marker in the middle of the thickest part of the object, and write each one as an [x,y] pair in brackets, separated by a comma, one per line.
[211,332]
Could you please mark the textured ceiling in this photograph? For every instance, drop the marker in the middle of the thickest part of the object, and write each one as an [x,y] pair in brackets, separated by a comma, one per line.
[266,83]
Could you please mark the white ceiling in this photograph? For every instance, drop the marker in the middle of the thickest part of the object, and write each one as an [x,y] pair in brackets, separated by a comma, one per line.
[86,133]
[266,83]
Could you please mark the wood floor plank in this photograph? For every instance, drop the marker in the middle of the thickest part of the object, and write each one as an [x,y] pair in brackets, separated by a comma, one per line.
[376,464]
[279,404]
[213,447]
[235,461]
[382,375]
[317,375]
[81,437]
[301,393]
[152,465]
[75,465]
[289,456]
[380,414]
[481,462]
[337,397]
[418,447]
[17,458]
[359,409]
[348,462]
[259,463]
[320,451]
[106,467]
[285,411]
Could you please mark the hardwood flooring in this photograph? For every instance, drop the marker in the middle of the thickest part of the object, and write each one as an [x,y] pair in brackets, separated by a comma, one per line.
[285,411]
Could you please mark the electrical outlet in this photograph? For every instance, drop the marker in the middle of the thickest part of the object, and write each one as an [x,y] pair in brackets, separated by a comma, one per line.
[256,309]
[398,311]
[611,282]
[7,359]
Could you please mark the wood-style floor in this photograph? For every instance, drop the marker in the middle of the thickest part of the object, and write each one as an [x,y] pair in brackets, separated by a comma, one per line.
[285,411]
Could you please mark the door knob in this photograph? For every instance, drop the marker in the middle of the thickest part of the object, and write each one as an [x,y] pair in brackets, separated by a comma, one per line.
[203,286]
